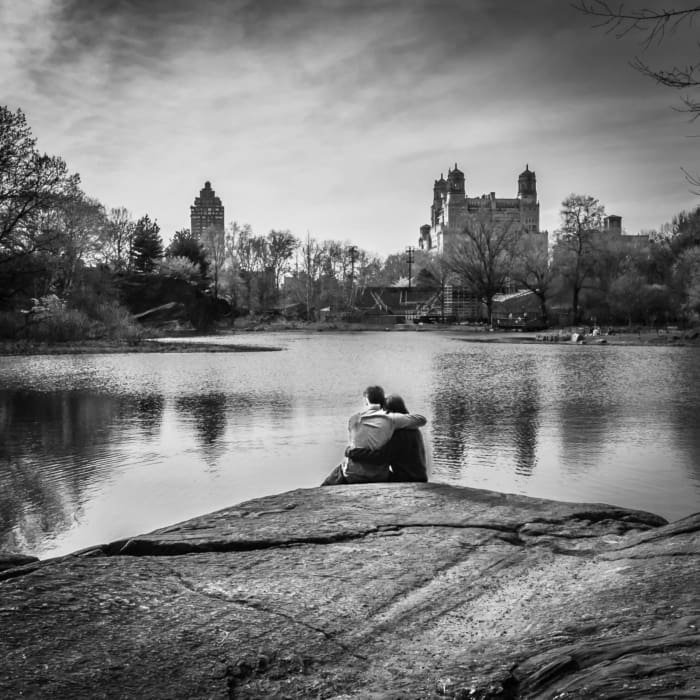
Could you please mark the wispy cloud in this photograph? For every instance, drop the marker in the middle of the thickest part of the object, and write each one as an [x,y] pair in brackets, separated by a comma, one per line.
[333,115]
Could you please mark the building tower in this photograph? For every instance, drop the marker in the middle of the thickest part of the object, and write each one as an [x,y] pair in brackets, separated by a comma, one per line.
[455,181]
[527,200]
[527,186]
[207,211]
[439,195]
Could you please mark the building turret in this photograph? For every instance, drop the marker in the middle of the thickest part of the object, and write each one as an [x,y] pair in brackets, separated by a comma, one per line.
[439,189]
[613,224]
[527,185]
[440,185]
[455,181]
[424,242]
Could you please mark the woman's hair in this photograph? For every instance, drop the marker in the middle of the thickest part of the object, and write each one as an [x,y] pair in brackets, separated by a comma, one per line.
[394,404]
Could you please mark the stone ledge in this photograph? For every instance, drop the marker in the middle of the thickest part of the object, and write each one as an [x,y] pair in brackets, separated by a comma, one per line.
[372,591]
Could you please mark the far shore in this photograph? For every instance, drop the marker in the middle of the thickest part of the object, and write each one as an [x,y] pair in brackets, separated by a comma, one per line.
[194,342]
[108,347]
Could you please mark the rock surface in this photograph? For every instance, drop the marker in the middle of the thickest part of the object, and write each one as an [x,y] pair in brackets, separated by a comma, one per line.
[376,591]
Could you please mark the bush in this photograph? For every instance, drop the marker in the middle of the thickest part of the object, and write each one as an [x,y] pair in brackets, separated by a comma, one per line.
[61,326]
[11,324]
[57,324]
[118,323]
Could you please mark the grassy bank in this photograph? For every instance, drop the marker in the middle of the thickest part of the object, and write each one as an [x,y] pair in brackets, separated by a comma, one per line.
[86,347]
[191,342]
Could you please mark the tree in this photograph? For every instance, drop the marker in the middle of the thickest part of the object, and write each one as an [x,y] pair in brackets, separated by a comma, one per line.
[32,187]
[280,249]
[685,231]
[482,255]
[532,269]
[180,267]
[185,245]
[627,296]
[80,221]
[653,25]
[575,253]
[118,239]
[237,287]
[250,252]
[148,245]
[687,282]
[214,243]
[308,273]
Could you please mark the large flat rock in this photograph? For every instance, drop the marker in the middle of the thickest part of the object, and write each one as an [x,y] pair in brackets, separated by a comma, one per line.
[373,591]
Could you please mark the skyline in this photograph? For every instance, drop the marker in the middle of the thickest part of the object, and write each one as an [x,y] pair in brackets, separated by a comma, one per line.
[335,118]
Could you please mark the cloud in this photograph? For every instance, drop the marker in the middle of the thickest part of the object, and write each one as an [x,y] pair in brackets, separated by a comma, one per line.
[332,115]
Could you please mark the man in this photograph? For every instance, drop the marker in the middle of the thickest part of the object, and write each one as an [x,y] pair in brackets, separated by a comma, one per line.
[372,428]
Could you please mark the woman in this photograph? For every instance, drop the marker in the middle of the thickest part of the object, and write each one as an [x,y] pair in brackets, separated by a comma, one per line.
[405,451]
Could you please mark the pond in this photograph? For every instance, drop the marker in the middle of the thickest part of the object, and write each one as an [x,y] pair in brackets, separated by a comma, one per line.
[99,447]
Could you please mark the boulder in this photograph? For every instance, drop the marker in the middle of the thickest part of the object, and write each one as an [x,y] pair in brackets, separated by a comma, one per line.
[158,299]
[368,591]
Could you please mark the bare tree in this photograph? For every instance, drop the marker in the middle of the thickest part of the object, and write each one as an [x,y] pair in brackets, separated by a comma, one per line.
[481,256]
[118,239]
[81,221]
[532,270]
[309,266]
[653,26]
[280,249]
[575,253]
[214,242]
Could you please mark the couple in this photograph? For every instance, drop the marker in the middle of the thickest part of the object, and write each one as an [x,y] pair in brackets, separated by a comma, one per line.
[384,443]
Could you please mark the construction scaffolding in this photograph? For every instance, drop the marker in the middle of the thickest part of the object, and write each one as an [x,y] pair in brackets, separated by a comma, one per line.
[462,305]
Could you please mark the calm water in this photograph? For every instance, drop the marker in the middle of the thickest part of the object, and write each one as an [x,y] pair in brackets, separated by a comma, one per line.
[99,447]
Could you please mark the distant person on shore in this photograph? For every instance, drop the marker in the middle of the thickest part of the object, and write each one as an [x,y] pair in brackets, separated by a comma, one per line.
[371,428]
[405,451]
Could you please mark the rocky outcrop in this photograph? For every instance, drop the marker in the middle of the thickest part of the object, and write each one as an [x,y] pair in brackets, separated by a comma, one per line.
[374,591]
[163,301]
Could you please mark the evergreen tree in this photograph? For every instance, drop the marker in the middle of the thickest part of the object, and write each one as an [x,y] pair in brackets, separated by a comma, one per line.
[148,245]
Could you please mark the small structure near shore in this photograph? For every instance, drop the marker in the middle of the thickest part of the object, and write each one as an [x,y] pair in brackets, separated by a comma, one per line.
[369,591]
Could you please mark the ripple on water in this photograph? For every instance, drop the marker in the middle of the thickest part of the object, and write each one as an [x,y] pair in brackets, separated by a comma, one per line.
[97,447]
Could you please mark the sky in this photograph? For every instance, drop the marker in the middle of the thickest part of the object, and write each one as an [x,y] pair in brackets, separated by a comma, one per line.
[333,118]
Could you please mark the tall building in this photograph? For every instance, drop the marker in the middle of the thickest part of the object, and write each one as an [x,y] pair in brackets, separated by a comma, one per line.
[452,207]
[612,233]
[207,211]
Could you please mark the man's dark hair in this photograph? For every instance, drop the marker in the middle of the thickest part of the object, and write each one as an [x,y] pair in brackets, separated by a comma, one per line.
[375,394]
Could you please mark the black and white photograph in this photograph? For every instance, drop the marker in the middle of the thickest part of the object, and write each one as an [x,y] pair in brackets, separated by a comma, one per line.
[349,349]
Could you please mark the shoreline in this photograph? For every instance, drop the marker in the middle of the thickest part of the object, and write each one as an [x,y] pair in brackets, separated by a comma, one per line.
[191,342]
[90,347]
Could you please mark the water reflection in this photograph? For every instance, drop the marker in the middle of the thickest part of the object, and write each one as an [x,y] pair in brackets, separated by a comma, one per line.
[486,414]
[55,447]
[64,449]
[207,414]
[149,410]
[96,448]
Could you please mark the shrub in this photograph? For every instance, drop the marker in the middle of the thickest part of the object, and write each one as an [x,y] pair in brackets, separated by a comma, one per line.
[12,324]
[58,324]
[118,323]
[61,326]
